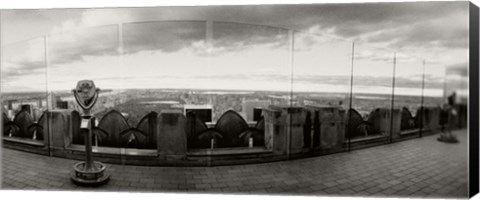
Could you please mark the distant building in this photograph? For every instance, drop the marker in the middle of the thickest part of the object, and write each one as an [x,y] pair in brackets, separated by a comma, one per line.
[252,108]
[56,102]
[27,108]
[62,104]
[202,112]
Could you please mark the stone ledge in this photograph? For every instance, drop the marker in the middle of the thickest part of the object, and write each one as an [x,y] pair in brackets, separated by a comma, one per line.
[38,143]
[363,139]
[411,131]
[228,151]
[116,151]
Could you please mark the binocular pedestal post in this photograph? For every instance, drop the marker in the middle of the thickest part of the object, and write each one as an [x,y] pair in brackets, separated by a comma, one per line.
[89,172]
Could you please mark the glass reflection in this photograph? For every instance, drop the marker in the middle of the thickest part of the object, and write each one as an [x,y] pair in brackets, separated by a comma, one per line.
[321,72]
[371,92]
[250,68]
[24,97]
[165,64]
[409,91]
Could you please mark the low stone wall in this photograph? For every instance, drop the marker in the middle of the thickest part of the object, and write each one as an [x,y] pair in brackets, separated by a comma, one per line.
[288,132]
[428,118]
[275,131]
[171,135]
[384,123]
[59,129]
[328,126]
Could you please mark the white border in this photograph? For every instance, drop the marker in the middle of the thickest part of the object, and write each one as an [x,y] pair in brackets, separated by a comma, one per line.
[32,4]
[46,4]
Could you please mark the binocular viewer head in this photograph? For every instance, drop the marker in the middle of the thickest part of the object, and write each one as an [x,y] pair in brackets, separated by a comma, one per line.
[86,94]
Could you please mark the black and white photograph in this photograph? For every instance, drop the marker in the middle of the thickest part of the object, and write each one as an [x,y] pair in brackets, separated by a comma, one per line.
[361,99]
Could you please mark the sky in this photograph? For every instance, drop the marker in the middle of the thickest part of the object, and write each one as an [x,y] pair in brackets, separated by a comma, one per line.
[239,47]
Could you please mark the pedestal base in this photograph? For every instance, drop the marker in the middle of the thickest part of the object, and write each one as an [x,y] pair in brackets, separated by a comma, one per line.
[94,177]
[448,138]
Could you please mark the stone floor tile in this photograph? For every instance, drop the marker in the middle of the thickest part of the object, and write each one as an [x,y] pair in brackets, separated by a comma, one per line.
[421,167]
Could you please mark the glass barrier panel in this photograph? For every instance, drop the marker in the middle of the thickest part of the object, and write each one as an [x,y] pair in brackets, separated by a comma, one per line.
[87,54]
[434,85]
[408,90]
[321,71]
[457,93]
[24,97]
[434,98]
[371,92]
[166,63]
[321,85]
[84,54]
[250,68]
[456,80]
[250,71]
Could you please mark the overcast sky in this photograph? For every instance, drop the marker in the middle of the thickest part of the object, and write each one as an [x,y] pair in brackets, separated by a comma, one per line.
[196,54]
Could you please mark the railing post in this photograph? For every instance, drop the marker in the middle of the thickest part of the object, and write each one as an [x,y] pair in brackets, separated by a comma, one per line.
[330,128]
[421,101]
[275,131]
[152,129]
[392,104]
[349,128]
[295,120]
[171,135]
[59,129]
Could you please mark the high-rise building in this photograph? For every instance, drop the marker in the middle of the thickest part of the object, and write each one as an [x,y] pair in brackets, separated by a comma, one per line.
[202,112]
[252,108]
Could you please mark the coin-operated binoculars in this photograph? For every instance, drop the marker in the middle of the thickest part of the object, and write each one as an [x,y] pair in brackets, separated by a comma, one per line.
[449,116]
[88,172]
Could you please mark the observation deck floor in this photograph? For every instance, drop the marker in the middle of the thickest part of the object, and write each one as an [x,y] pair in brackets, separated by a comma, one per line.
[421,167]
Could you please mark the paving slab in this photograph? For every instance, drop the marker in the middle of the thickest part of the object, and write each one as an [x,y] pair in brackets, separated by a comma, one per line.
[421,167]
